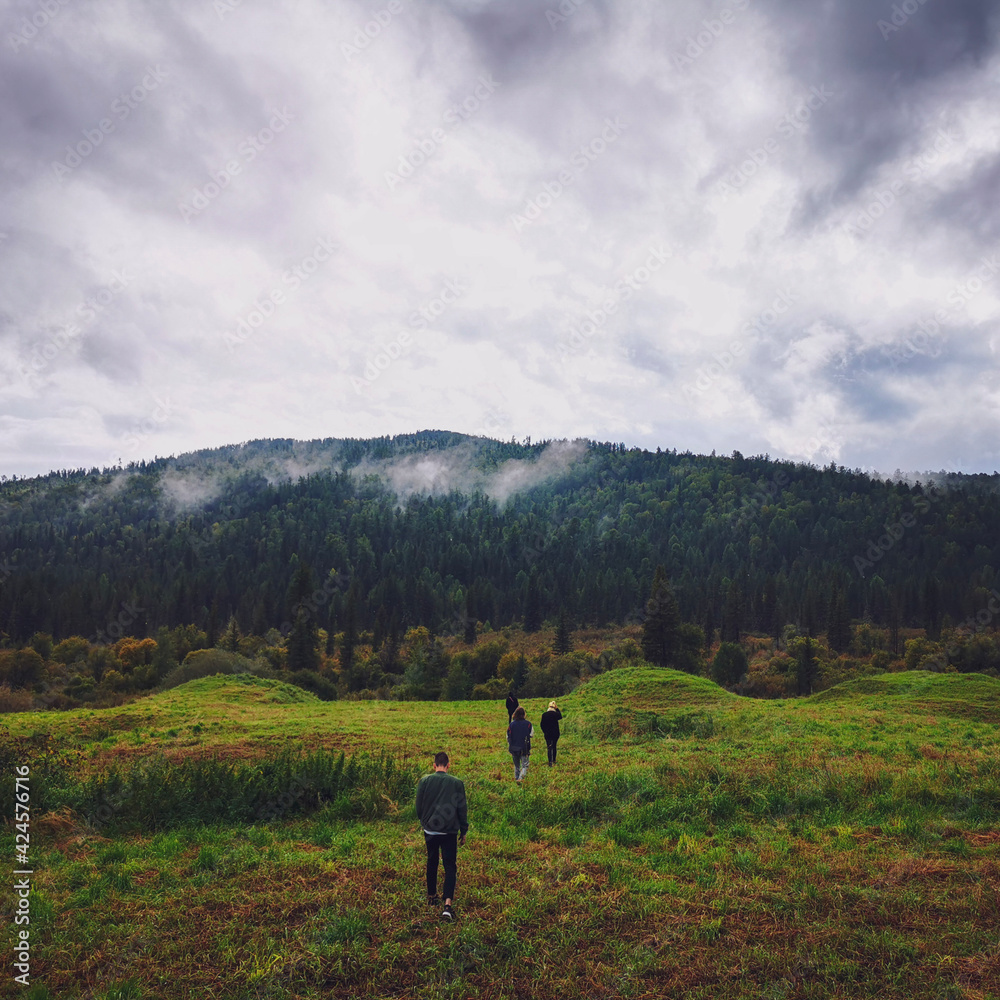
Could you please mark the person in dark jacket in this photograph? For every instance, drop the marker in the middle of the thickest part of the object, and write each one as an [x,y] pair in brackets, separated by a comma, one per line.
[550,730]
[519,734]
[443,814]
[512,703]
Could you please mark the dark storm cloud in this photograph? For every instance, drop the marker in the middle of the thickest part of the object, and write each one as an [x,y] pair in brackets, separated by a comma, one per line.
[890,69]
[972,208]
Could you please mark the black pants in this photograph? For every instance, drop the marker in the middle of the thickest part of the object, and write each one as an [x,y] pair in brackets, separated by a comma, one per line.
[550,745]
[447,844]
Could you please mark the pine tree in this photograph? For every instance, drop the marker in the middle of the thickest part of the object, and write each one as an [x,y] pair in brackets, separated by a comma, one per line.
[231,637]
[661,627]
[520,673]
[768,607]
[709,626]
[212,631]
[350,639]
[302,644]
[806,666]
[563,643]
[469,630]
[932,607]
[838,628]
[732,614]
[532,604]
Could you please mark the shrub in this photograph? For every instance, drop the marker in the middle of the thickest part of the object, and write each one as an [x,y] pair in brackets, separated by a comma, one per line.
[309,680]
[207,662]
[458,684]
[71,650]
[729,664]
[21,668]
[493,690]
[484,659]
[15,701]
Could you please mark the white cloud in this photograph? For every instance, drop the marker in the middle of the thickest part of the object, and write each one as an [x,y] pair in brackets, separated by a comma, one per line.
[490,362]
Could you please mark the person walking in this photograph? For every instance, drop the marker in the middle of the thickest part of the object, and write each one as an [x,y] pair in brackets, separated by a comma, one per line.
[443,814]
[519,734]
[512,703]
[550,730]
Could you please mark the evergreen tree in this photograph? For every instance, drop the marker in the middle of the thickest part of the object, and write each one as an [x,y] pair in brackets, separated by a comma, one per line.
[894,616]
[213,624]
[532,604]
[520,673]
[662,625]
[838,628]
[806,666]
[231,637]
[302,644]
[350,639]
[563,643]
[768,606]
[729,664]
[932,607]
[732,614]
[469,624]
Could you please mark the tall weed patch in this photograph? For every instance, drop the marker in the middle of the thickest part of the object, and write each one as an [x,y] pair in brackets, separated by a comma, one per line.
[157,793]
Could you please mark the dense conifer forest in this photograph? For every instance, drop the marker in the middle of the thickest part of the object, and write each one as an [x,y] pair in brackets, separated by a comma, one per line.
[325,545]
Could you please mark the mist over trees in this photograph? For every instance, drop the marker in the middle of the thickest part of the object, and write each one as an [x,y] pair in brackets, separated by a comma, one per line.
[336,538]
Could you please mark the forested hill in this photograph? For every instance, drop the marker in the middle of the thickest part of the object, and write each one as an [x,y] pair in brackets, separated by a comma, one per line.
[438,528]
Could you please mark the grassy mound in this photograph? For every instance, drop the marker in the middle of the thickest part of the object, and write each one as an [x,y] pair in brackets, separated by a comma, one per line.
[236,688]
[968,696]
[649,688]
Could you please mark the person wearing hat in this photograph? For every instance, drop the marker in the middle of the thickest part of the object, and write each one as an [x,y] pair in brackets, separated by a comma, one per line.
[550,730]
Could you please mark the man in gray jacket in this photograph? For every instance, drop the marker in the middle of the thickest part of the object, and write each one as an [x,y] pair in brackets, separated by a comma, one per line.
[443,814]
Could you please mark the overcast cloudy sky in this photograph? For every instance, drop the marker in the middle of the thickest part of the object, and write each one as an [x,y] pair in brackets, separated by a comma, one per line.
[764,225]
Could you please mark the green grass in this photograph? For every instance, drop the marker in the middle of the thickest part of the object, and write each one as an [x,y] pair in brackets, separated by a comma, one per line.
[688,844]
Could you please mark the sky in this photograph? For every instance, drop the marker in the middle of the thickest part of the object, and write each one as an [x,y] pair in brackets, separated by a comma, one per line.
[770,226]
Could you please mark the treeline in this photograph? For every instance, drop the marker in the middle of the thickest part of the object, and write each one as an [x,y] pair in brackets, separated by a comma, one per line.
[421,666]
[748,545]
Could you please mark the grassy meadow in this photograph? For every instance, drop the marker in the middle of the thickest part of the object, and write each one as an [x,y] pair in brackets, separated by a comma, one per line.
[689,843]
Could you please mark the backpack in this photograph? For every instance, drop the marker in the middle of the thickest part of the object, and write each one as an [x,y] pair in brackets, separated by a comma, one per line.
[519,737]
